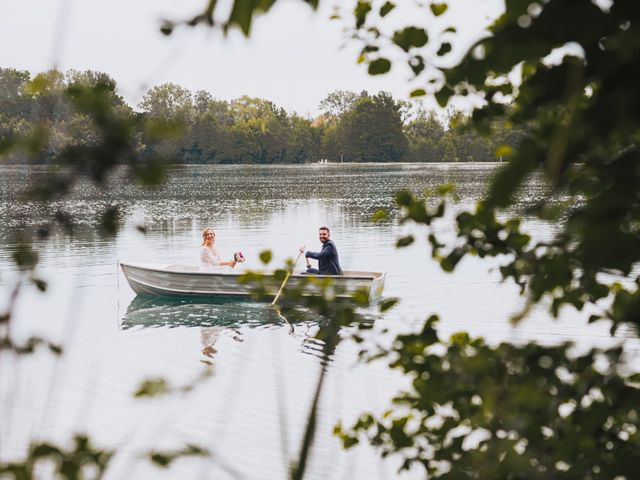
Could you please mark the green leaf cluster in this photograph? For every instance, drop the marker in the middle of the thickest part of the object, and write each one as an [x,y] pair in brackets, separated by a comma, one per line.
[83,460]
[476,411]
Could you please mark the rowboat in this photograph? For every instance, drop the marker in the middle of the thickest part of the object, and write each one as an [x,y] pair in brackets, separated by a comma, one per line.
[191,281]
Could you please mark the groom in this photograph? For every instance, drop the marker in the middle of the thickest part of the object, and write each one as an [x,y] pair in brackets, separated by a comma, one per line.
[328,263]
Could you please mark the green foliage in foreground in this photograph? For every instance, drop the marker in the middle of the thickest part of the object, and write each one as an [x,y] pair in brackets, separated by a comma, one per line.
[476,411]
[582,122]
[580,109]
[47,460]
[536,412]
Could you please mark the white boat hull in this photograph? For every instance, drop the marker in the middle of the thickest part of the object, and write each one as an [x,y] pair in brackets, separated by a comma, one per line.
[182,280]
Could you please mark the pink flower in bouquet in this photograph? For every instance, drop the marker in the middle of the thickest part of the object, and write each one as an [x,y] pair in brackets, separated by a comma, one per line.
[238,257]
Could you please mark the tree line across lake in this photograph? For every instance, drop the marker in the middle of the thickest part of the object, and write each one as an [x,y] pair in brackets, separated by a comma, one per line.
[195,127]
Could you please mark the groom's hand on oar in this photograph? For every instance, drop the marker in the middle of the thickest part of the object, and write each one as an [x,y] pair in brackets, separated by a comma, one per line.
[302,249]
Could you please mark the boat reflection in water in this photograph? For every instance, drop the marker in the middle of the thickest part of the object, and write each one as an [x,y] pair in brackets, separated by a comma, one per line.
[219,316]
[170,312]
[215,317]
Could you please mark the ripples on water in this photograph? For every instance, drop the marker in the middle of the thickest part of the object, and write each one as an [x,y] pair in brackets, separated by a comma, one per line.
[204,191]
[252,413]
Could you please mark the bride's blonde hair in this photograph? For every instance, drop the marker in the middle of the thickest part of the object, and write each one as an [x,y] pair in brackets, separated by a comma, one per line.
[204,234]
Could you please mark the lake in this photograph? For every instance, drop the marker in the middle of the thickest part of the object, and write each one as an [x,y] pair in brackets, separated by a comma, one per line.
[251,409]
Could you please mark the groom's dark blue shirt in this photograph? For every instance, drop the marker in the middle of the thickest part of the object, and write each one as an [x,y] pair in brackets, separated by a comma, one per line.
[328,263]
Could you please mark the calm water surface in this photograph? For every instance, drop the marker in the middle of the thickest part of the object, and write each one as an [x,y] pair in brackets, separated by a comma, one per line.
[252,411]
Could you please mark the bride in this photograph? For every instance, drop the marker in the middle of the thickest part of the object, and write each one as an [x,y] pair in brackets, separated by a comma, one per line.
[209,256]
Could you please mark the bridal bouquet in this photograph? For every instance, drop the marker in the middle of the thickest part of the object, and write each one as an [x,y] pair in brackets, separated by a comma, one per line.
[238,257]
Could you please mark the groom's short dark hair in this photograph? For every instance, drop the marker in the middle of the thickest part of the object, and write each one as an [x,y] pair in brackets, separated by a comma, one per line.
[325,228]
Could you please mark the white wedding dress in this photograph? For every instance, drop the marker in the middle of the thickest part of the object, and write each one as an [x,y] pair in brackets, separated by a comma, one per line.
[209,258]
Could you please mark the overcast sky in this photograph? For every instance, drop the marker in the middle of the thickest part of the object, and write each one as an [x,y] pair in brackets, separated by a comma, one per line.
[294,56]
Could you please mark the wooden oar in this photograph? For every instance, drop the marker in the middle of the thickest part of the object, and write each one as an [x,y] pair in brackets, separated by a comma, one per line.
[286,278]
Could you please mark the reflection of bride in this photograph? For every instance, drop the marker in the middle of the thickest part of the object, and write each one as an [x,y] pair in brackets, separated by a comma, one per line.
[209,256]
[210,335]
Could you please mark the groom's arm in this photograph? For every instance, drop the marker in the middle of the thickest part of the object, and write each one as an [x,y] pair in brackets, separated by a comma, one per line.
[327,251]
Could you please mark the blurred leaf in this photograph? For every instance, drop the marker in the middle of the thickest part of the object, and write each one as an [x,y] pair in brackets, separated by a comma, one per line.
[243,11]
[44,450]
[445,189]
[167,27]
[25,257]
[504,151]
[443,95]
[386,8]
[438,8]
[160,459]
[388,303]
[110,220]
[151,173]
[405,241]
[449,263]
[361,11]
[40,284]
[65,220]
[361,297]
[152,387]
[404,198]
[445,48]
[379,66]
[417,65]
[410,37]
[418,92]
[380,215]
[165,459]
[265,256]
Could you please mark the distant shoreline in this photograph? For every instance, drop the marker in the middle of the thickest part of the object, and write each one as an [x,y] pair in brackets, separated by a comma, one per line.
[265,165]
